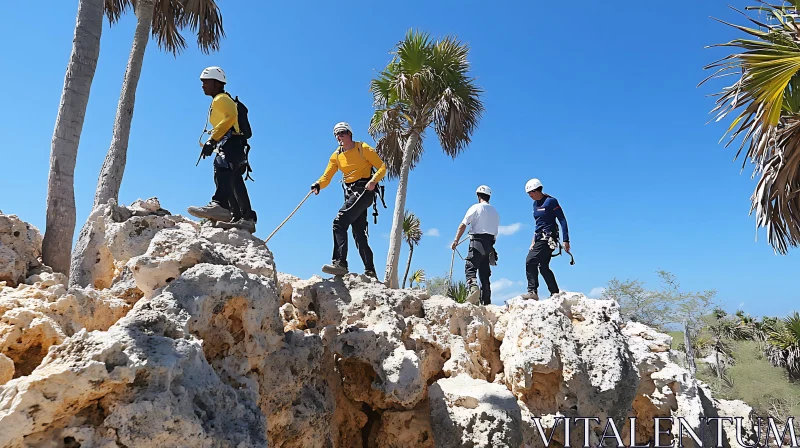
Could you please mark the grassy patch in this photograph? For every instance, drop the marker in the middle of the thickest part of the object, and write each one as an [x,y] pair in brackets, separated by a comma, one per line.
[677,338]
[755,381]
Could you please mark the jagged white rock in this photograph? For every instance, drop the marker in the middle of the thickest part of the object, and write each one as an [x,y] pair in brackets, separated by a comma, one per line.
[187,335]
[470,412]
[20,249]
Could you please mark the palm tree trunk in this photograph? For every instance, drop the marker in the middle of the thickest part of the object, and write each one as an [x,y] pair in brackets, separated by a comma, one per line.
[408,265]
[393,257]
[110,178]
[60,220]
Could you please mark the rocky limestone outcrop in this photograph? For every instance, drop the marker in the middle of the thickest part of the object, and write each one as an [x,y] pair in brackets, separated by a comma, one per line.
[20,249]
[179,334]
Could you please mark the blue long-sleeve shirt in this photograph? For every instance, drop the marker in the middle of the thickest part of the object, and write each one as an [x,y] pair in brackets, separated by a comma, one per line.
[545,212]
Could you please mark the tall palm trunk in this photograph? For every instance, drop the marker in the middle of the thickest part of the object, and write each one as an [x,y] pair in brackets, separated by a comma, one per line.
[110,179]
[114,165]
[60,220]
[408,265]
[393,257]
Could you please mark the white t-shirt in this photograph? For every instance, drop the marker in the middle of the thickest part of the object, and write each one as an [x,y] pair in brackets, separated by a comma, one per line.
[483,218]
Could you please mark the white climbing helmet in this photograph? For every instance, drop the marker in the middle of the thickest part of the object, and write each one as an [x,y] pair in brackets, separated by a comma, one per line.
[342,126]
[484,189]
[532,185]
[214,73]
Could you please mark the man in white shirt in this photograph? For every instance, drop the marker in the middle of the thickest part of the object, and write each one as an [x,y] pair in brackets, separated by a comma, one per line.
[484,222]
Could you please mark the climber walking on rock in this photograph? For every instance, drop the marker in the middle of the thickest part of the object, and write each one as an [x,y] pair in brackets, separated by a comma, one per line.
[546,210]
[484,222]
[362,169]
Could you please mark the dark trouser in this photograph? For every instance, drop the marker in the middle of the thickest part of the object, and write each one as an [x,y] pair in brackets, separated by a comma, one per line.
[231,192]
[539,260]
[353,213]
[477,264]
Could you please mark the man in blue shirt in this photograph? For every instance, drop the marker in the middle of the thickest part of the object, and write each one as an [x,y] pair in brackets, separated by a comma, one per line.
[546,210]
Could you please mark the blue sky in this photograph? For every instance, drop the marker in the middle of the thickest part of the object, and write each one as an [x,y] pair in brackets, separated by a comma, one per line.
[598,102]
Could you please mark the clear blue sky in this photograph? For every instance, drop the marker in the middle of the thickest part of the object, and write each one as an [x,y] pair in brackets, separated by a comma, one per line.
[598,102]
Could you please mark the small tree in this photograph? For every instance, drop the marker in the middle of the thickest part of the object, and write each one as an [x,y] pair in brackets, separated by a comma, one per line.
[661,307]
[437,286]
[412,234]
[417,277]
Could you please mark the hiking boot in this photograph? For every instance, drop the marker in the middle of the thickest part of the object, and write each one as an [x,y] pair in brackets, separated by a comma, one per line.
[335,268]
[212,212]
[244,224]
[474,296]
[371,274]
[530,295]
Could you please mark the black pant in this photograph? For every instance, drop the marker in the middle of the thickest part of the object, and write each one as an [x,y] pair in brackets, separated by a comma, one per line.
[477,264]
[231,192]
[539,260]
[354,213]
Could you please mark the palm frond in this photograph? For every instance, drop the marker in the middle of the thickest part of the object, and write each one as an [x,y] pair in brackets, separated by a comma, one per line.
[425,83]
[115,8]
[418,277]
[389,124]
[766,98]
[205,19]
[412,228]
[202,17]
[783,338]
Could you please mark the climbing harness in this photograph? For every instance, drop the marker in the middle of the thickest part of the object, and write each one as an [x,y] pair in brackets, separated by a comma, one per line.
[221,143]
[379,189]
[554,243]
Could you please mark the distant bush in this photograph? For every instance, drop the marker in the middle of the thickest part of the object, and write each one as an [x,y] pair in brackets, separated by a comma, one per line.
[437,286]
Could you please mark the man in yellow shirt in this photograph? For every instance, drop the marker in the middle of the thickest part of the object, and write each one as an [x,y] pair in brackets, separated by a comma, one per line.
[230,205]
[356,161]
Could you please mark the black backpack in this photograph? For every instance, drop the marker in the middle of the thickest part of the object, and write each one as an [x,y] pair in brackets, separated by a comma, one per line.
[246,132]
[244,123]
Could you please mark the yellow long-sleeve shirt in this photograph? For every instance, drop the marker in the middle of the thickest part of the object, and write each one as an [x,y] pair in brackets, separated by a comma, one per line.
[354,165]
[223,116]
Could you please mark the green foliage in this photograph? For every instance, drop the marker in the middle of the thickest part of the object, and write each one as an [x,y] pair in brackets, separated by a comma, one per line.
[766,101]
[412,230]
[753,379]
[662,307]
[783,349]
[417,277]
[412,234]
[458,291]
[427,83]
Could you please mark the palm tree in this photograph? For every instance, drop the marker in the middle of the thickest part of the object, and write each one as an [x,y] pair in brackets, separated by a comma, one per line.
[783,349]
[766,97]
[412,234]
[60,219]
[165,19]
[426,83]
[417,277]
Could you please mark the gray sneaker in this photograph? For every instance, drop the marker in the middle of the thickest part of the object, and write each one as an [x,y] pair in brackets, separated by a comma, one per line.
[474,296]
[334,268]
[212,212]
[530,296]
[244,224]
